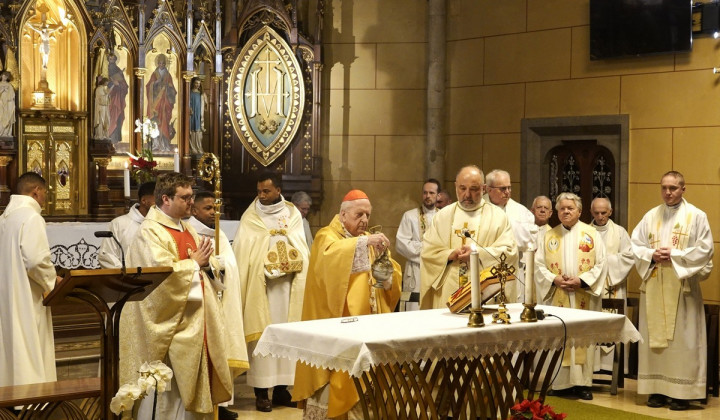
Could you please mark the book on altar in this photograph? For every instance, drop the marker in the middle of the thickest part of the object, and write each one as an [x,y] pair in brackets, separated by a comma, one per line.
[489,286]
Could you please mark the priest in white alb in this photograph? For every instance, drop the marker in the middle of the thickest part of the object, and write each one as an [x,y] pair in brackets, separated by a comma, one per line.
[499,190]
[673,248]
[223,268]
[408,242]
[446,249]
[619,262]
[27,347]
[570,272]
[125,228]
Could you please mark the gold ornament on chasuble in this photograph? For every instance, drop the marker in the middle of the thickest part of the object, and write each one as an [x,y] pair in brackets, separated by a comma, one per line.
[267,95]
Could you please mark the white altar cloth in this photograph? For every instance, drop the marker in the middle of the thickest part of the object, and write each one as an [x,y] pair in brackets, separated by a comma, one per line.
[357,346]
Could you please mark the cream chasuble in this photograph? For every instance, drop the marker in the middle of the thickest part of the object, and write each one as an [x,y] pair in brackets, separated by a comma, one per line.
[334,289]
[672,317]
[580,252]
[188,335]
[270,297]
[487,224]
[27,347]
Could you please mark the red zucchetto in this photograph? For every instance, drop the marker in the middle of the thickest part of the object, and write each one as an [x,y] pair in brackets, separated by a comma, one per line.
[355,195]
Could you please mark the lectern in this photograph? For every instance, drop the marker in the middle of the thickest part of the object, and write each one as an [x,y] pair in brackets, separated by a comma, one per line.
[99,289]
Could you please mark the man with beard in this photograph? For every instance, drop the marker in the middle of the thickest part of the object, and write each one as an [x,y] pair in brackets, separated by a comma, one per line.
[408,243]
[161,95]
[445,256]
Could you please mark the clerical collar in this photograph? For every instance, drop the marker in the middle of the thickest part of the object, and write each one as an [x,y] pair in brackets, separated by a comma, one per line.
[600,228]
[674,206]
[271,208]
[172,221]
[429,211]
[569,228]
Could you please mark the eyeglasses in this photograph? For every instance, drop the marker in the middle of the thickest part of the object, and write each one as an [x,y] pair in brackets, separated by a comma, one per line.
[188,198]
[502,189]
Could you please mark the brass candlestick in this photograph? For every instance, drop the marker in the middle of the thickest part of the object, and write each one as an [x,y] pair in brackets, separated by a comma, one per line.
[476,318]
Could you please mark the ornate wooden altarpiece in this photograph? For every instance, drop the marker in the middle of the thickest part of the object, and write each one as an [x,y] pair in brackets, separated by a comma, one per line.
[256,64]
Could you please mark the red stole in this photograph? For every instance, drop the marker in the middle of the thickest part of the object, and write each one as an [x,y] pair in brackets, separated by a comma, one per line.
[184,242]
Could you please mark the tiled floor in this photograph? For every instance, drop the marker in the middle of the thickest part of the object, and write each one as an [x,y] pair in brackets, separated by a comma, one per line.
[626,400]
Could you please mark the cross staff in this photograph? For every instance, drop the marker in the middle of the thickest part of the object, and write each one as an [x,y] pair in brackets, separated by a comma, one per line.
[209,170]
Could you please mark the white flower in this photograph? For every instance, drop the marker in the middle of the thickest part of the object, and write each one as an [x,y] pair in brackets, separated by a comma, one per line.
[161,369]
[125,398]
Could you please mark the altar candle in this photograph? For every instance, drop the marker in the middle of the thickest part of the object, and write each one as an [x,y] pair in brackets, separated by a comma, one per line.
[126,180]
[176,161]
[529,276]
[476,302]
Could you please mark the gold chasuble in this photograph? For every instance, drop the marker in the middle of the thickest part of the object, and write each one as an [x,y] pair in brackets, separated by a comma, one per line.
[189,335]
[332,291]
[252,247]
[487,225]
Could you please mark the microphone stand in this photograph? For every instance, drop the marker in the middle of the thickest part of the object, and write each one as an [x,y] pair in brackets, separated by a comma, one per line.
[109,234]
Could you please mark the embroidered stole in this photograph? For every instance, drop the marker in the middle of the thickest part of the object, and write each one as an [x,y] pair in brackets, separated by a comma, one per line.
[612,243]
[662,288]
[585,261]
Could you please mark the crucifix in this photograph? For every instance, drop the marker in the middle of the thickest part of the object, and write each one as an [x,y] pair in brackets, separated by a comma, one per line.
[462,232]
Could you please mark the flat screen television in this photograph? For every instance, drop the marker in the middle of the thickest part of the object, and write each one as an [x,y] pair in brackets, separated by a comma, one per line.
[625,28]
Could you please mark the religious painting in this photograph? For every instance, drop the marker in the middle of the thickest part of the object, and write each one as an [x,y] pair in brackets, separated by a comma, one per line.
[119,76]
[267,96]
[161,94]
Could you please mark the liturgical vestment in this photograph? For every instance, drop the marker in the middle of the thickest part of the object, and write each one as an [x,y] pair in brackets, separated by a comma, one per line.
[672,356]
[27,349]
[183,329]
[487,224]
[578,251]
[263,233]
[124,228]
[336,288]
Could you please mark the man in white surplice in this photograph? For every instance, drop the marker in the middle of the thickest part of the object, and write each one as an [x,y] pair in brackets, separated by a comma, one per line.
[571,273]
[619,262]
[224,268]
[673,249]
[27,349]
[522,221]
[272,255]
[125,228]
[408,243]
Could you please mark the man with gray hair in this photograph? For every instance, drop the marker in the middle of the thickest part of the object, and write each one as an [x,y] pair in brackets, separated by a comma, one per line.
[619,262]
[570,267]
[498,191]
[303,202]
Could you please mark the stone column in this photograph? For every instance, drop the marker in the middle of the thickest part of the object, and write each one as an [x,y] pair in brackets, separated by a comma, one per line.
[4,188]
[435,142]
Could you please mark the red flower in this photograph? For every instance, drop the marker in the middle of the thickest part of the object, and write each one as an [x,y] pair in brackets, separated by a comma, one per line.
[534,410]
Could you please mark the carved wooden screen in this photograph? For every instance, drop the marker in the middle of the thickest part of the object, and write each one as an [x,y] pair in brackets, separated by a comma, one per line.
[583,168]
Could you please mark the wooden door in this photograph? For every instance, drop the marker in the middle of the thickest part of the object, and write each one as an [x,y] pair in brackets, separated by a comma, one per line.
[582,167]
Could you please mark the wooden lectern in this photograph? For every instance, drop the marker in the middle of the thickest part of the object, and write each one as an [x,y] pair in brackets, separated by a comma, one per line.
[99,288]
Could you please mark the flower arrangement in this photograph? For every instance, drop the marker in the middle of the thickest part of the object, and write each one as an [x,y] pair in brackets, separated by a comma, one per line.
[153,376]
[143,166]
[534,410]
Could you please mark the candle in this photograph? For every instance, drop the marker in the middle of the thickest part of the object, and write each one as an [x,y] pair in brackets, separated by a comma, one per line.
[176,161]
[530,276]
[476,301]
[126,181]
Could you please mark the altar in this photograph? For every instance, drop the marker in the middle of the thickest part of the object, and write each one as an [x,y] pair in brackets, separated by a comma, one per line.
[408,363]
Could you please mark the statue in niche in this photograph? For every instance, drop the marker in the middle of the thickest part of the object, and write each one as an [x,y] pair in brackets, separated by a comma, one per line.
[161,96]
[101,114]
[7,105]
[117,93]
[198,107]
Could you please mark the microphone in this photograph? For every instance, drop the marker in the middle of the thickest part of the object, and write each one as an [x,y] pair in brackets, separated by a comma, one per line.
[465,232]
[109,234]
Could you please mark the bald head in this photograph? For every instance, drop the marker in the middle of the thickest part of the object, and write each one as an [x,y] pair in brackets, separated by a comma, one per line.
[469,187]
[601,210]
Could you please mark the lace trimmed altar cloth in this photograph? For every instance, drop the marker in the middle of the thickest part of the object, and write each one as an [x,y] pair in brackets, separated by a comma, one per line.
[344,344]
